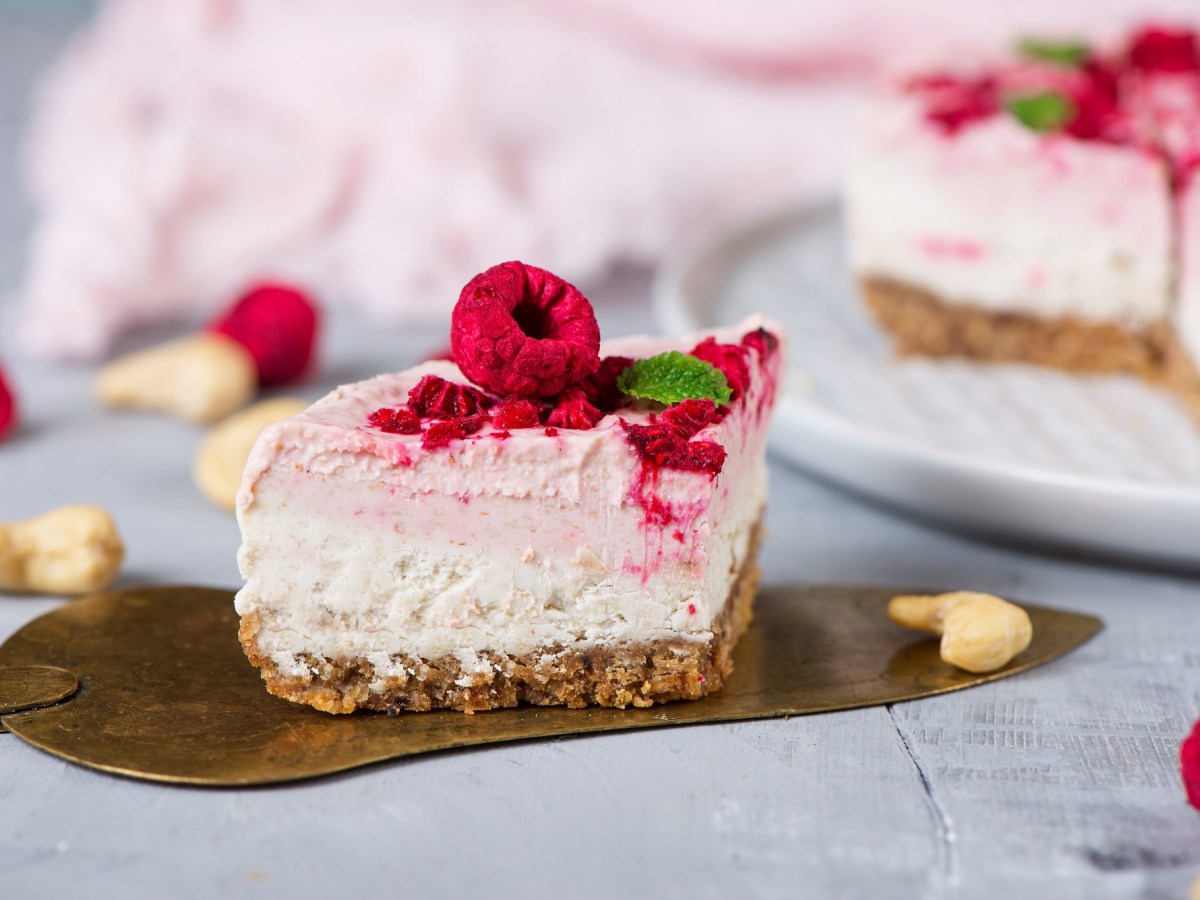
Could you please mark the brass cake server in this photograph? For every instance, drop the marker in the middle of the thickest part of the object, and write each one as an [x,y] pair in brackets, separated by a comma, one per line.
[166,694]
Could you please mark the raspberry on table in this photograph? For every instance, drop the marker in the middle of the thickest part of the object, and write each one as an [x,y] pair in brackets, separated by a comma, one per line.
[518,330]
[277,324]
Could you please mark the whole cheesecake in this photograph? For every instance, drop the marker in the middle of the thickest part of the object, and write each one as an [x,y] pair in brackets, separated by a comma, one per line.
[421,541]
[1037,204]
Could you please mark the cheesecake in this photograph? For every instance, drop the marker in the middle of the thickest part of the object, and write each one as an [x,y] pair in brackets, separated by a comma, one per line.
[1035,203]
[542,519]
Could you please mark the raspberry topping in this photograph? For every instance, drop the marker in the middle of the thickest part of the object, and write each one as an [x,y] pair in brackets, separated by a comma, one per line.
[601,386]
[436,398]
[277,324]
[730,359]
[689,418]
[661,447]
[519,330]
[1189,763]
[8,408]
[951,102]
[443,431]
[761,341]
[574,412]
[396,421]
[1167,50]
[512,413]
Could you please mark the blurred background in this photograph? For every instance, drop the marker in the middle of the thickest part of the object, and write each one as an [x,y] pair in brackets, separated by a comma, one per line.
[159,155]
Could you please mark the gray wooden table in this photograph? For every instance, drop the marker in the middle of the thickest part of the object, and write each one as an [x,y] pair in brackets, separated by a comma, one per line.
[1059,783]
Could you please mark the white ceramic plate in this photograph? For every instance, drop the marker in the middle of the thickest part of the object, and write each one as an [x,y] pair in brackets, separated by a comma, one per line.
[1101,464]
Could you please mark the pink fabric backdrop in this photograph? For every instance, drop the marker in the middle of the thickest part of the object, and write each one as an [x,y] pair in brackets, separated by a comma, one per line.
[382,152]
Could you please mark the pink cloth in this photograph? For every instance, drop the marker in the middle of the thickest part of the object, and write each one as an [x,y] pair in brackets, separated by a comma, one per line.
[382,152]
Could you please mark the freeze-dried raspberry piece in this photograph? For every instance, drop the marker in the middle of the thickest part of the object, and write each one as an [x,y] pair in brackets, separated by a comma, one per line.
[1189,764]
[702,456]
[656,444]
[434,397]
[519,330]
[660,447]
[730,359]
[762,341]
[601,386]
[575,412]
[8,408]
[689,417]
[396,421]
[512,413]
[277,324]
[1170,50]
[443,431]
[952,102]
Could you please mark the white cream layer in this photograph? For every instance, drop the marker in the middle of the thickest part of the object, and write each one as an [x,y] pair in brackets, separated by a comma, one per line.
[1001,218]
[357,543]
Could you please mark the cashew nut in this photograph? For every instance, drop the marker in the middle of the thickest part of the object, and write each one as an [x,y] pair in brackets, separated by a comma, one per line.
[199,378]
[219,462]
[70,550]
[980,632]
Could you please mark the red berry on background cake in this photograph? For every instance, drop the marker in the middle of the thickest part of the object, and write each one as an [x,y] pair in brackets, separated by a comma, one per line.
[266,338]
[577,525]
[1038,204]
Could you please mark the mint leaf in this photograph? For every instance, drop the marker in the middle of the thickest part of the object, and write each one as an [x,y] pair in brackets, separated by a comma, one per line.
[672,377]
[1043,111]
[1060,53]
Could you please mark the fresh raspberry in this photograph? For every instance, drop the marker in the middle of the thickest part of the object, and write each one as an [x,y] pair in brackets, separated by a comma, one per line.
[519,330]
[689,417]
[730,359]
[443,431]
[436,398]
[8,408]
[601,386]
[575,412]
[278,325]
[762,341]
[396,421]
[1167,50]
[515,412]
[1189,764]
[1097,104]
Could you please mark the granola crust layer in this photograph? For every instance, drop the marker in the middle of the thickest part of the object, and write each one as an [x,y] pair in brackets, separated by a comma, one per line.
[1180,375]
[639,673]
[927,325]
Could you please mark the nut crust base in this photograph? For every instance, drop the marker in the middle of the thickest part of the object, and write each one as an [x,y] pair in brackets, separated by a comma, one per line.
[927,325]
[637,673]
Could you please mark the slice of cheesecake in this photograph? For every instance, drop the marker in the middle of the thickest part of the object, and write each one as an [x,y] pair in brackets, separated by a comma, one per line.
[1015,207]
[417,542]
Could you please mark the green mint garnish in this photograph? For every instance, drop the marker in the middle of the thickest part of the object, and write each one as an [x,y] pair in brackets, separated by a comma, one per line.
[672,377]
[1061,53]
[1043,111]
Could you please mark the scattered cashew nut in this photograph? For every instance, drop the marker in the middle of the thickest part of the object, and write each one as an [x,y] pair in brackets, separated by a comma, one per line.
[201,378]
[219,462]
[980,632]
[70,550]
